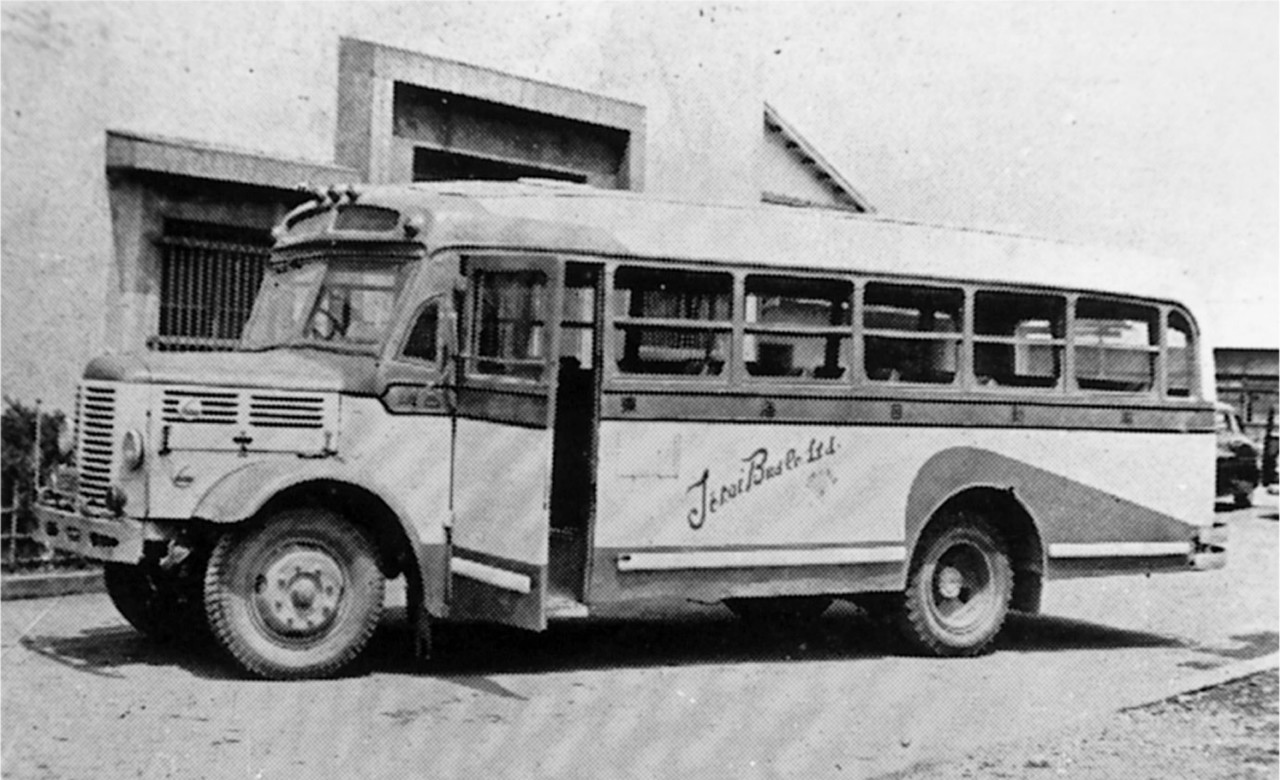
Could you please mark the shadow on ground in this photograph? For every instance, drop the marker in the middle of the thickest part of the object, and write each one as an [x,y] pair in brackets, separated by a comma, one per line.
[712,637]
[105,651]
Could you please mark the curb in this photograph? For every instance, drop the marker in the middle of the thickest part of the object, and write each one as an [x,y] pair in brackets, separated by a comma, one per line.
[1207,679]
[37,586]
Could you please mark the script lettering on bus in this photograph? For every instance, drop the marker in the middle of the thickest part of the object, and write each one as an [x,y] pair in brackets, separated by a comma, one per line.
[756,470]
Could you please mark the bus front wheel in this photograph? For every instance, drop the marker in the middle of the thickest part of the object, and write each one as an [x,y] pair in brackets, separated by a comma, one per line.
[958,592]
[296,596]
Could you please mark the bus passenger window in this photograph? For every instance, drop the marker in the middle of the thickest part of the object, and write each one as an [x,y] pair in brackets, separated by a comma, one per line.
[911,333]
[421,343]
[1115,346]
[672,322]
[797,328]
[1018,339]
[1180,355]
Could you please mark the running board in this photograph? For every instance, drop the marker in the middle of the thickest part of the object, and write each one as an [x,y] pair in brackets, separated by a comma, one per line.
[563,607]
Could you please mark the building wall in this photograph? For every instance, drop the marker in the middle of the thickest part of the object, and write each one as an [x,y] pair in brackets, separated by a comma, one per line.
[1249,380]
[263,77]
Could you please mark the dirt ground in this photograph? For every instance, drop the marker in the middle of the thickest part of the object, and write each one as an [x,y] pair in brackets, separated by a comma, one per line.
[1228,731]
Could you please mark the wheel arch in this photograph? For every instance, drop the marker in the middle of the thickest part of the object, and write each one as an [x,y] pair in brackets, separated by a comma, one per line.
[1013,521]
[258,490]
[967,479]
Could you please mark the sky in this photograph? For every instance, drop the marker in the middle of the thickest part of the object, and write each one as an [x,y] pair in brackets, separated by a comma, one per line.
[1153,126]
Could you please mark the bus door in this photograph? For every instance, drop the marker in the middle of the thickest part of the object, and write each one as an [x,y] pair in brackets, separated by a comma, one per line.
[503,438]
[577,417]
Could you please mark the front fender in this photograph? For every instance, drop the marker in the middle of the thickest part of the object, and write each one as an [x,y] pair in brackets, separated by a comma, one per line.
[240,494]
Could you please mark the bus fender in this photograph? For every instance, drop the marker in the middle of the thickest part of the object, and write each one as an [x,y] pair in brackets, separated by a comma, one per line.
[1061,510]
[241,494]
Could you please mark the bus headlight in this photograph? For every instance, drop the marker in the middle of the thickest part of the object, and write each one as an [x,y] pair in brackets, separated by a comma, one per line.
[131,451]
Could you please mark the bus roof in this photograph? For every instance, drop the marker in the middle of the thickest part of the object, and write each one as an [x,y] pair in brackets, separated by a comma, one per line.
[565,217]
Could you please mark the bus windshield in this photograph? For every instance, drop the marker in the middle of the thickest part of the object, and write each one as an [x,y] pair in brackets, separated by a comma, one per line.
[339,303]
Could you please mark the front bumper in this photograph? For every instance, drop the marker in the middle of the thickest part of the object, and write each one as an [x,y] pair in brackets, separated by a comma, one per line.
[1210,547]
[114,539]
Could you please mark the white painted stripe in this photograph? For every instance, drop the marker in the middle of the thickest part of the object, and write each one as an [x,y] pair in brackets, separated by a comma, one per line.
[1119,549]
[499,578]
[747,559]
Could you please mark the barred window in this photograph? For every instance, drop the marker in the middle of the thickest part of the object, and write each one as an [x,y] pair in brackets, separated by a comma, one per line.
[209,276]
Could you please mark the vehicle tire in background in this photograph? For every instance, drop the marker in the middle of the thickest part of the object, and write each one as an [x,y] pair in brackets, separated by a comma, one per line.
[959,588]
[784,612]
[296,596]
[165,605]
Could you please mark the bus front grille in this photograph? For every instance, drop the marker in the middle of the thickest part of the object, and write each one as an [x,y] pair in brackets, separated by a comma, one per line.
[95,442]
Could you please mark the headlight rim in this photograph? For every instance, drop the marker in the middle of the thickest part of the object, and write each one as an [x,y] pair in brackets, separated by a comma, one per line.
[132,449]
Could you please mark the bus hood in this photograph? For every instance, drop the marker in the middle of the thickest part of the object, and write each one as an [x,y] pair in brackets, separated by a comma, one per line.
[277,369]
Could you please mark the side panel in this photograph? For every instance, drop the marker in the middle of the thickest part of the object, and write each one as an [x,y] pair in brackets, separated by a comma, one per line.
[500,539]
[838,507]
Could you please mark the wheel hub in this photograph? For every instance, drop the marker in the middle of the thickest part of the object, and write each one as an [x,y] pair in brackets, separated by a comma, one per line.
[950,582]
[300,592]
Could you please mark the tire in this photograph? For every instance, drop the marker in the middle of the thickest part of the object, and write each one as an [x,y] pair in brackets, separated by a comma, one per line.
[780,611]
[166,606]
[1243,499]
[296,596]
[958,591]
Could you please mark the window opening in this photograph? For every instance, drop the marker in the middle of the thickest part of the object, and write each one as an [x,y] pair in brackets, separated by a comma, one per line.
[672,322]
[1116,345]
[912,333]
[797,328]
[1018,339]
[578,317]
[421,343]
[1180,354]
[508,323]
[209,277]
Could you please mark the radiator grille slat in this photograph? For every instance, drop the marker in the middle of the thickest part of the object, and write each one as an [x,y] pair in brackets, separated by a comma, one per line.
[95,441]
[187,407]
[286,411]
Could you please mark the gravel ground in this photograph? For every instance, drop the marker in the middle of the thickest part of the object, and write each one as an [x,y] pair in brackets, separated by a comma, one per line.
[1228,731]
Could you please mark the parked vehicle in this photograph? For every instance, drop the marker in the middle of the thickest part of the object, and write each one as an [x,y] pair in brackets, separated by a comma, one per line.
[540,402]
[1237,457]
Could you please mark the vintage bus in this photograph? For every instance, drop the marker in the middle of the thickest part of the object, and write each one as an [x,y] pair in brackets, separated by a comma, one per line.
[537,401]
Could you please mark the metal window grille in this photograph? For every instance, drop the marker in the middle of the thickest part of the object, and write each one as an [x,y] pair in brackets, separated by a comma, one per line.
[209,275]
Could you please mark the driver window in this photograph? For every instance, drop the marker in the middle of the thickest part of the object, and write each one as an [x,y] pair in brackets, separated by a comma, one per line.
[421,343]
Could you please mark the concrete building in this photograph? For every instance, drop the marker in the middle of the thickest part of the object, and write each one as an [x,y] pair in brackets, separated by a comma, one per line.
[148,149]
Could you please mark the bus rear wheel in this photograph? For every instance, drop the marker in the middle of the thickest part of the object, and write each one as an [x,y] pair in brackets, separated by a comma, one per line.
[958,592]
[297,596]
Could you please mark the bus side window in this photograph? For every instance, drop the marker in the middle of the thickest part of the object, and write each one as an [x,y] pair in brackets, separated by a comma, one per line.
[672,322]
[797,327]
[1180,355]
[1116,345]
[912,333]
[421,343]
[1018,339]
